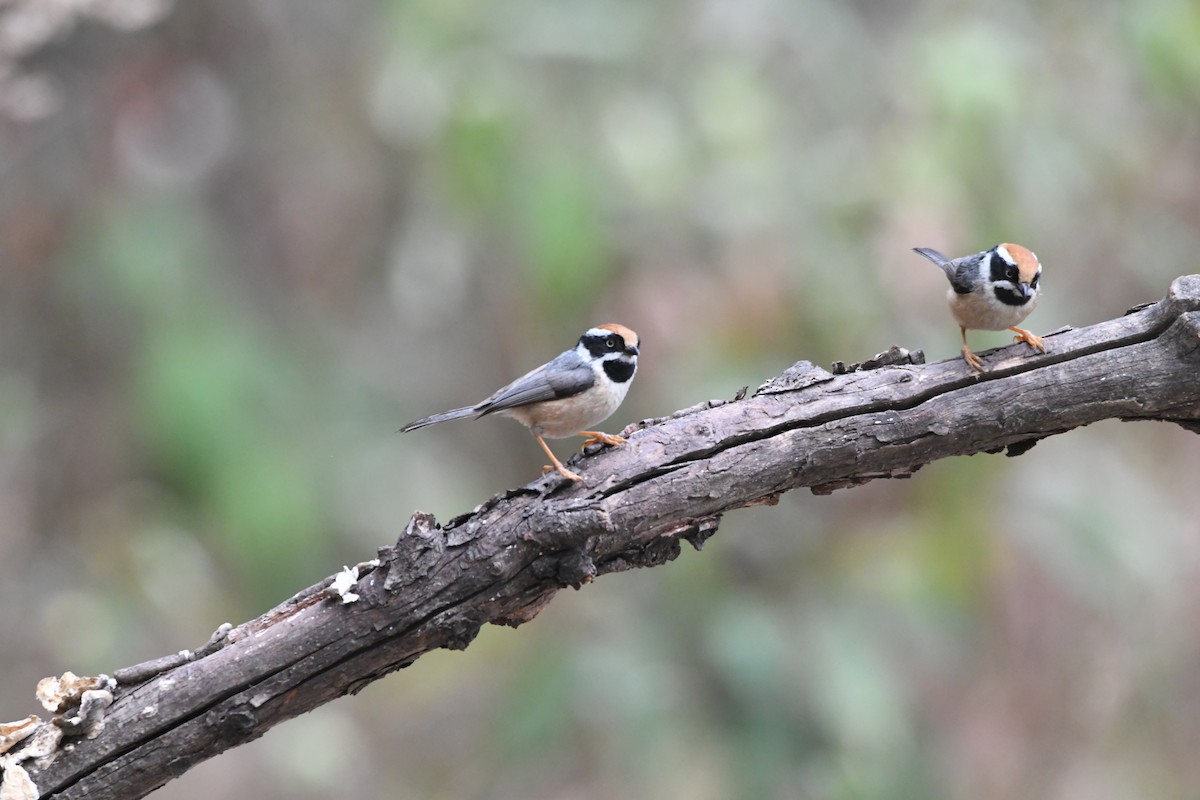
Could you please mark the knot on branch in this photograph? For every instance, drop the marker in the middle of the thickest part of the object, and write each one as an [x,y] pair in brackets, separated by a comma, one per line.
[573,568]
[1184,333]
[1184,294]
[414,555]
[798,376]
[894,356]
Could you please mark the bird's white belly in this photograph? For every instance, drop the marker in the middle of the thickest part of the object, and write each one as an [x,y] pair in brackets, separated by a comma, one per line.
[558,419]
[980,311]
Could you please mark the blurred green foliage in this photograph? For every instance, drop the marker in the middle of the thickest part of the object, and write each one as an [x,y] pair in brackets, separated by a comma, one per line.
[1167,34]
[213,401]
[253,241]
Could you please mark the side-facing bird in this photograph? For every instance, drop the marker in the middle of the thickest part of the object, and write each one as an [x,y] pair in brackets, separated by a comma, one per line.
[992,290]
[567,396]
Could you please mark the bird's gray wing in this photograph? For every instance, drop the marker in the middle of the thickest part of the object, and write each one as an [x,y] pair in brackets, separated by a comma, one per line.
[965,275]
[566,375]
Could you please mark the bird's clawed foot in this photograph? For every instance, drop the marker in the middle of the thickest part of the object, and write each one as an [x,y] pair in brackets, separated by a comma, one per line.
[599,437]
[1028,338]
[555,464]
[972,359]
[561,470]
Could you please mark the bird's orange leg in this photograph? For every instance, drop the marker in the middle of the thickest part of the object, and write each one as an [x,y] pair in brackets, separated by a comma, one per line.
[557,465]
[968,356]
[1028,338]
[598,437]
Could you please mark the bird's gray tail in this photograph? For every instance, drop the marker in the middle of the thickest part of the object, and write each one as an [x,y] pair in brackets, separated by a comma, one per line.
[445,416]
[937,258]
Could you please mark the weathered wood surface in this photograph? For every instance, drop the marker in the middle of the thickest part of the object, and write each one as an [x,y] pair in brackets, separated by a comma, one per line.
[502,562]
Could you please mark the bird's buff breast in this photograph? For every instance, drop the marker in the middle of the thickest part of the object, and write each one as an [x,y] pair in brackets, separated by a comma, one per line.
[980,311]
[559,419]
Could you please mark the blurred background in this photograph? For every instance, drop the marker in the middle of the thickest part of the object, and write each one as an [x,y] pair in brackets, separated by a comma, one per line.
[242,243]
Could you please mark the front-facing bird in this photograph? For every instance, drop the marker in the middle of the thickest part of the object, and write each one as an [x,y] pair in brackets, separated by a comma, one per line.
[992,290]
[576,391]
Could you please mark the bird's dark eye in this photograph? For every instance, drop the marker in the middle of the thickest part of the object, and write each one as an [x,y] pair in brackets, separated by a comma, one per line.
[610,343]
[1012,274]
[1036,279]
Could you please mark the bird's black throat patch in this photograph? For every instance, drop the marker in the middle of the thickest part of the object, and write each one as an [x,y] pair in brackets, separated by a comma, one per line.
[1010,297]
[619,370]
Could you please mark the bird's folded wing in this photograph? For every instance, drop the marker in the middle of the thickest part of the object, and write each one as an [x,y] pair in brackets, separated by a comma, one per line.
[552,381]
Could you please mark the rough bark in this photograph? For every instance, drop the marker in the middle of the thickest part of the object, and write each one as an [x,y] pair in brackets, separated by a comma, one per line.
[438,584]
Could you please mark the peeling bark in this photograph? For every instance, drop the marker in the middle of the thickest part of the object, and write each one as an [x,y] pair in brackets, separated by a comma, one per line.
[501,563]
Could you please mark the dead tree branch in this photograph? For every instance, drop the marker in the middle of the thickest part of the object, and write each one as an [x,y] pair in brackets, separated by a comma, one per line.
[438,584]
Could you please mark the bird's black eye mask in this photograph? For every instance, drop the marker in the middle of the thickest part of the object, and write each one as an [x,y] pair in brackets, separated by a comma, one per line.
[598,345]
[1004,271]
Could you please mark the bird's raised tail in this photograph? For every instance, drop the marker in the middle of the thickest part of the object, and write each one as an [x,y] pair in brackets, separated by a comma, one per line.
[937,258]
[445,416]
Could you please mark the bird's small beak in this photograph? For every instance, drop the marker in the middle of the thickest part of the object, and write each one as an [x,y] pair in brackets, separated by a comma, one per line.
[1023,288]
[631,349]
